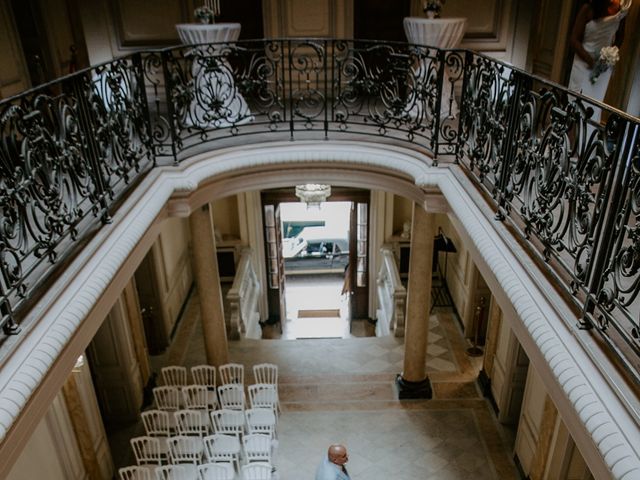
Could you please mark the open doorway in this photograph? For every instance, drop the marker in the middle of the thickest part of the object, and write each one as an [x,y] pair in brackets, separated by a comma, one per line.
[316,263]
[315,246]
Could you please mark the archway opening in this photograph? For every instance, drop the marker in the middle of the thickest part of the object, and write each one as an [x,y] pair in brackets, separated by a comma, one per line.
[315,245]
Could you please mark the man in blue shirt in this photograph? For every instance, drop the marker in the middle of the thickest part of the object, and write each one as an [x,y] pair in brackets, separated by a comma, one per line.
[332,466]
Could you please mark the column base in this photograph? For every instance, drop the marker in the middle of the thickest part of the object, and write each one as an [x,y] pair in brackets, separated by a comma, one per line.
[413,390]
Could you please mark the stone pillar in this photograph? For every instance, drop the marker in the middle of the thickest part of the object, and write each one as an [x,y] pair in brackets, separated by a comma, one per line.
[413,381]
[205,268]
[81,428]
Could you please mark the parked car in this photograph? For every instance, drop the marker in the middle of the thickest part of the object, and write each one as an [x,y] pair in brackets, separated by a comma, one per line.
[317,250]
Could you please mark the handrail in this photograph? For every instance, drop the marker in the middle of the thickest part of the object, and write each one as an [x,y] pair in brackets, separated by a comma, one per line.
[567,184]
[243,300]
[391,296]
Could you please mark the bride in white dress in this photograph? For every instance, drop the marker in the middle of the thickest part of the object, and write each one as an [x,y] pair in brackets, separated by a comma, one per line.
[600,23]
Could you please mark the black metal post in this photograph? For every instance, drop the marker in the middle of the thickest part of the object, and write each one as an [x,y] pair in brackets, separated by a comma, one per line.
[468,60]
[605,239]
[90,145]
[508,144]
[170,111]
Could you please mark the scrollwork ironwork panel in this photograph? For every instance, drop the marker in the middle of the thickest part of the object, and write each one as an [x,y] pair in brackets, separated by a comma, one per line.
[452,80]
[386,88]
[556,188]
[47,188]
[614,306]
[568,185]
[307,83]
[484,121]
[219,90]
[119,120]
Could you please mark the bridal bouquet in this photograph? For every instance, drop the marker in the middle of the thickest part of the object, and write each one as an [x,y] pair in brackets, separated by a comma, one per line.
[609,56]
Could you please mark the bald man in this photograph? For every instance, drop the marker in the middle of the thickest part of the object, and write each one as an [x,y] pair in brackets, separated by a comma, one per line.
[332,466]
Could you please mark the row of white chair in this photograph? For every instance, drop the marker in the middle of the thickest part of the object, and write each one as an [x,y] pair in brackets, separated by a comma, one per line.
[212,448]
[261,395]
[159,423]
[230,373]
[207,471]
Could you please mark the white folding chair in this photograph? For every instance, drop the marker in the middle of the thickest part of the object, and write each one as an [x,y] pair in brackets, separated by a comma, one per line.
[196,397]
[216,471]
[222,448]
[191,422]
[231,373]
[174,376]
[159,424]
[263,395]
[256,471]
[167,398]
[135,472]
[257,448]
[147,450]
[261,420]
[205,375]
[229,422]
[231,397]
[177,472]
[185,449]
[267,373]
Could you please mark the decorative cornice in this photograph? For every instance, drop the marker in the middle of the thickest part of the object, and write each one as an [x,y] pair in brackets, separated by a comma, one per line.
[596,418]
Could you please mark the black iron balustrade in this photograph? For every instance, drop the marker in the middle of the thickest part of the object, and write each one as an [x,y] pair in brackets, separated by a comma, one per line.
[568,184]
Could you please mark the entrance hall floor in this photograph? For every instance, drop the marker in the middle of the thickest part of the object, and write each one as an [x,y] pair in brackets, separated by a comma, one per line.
[343,391]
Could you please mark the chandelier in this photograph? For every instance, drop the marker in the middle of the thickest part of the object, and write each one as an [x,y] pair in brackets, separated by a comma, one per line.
[313,194]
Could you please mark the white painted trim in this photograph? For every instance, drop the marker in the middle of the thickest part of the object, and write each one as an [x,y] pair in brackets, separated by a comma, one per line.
[605,432]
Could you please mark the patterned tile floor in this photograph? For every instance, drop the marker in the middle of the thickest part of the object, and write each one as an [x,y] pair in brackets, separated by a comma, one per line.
[343,390]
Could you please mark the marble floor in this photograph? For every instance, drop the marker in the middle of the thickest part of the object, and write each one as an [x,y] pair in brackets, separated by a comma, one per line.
[343,391]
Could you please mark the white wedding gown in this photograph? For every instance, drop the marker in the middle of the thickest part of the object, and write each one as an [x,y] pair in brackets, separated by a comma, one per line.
[597,34]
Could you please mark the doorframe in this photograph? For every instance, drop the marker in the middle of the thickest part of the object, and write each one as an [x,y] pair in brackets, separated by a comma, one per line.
[338,194]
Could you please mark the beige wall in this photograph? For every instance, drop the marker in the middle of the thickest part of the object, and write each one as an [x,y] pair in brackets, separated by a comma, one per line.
[499,28]
[465,283]
[13,73]
[402,208]
[172,277]
[59,34]
[114,364]
[52,452]
[308,18]
[226,216]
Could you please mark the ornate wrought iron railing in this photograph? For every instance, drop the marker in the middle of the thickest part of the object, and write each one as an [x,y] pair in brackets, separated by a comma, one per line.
[561,169]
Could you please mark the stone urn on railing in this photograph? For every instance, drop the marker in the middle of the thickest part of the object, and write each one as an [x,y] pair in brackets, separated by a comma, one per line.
[432,8]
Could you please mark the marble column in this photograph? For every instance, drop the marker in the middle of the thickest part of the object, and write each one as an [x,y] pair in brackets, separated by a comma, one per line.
[205,268]
[413,381]
[81,428]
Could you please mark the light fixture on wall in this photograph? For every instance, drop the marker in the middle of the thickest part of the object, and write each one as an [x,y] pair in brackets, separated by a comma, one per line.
[313,194]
